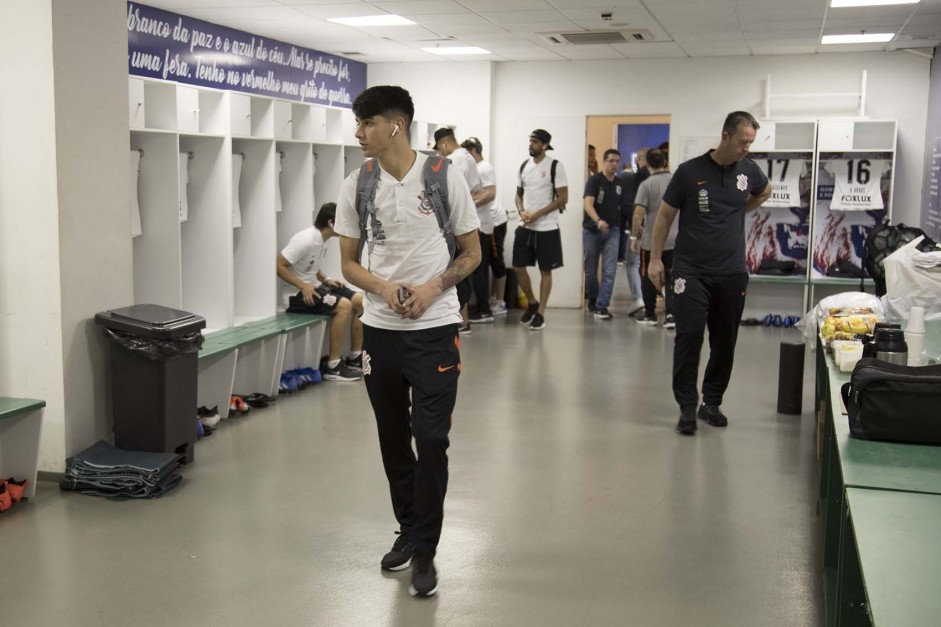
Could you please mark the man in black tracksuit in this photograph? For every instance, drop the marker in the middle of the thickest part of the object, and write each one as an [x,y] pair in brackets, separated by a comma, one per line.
[712,194]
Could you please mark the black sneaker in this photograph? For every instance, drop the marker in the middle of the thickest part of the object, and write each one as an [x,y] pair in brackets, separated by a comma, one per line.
[400,554]
[648,321]
[465,329]
[530,312]
[669,322]
[481,316]
[687,423]
[341,372]
[713,415]
[356,363]
[602,314]
[538,323]
[424,577]
[592,305]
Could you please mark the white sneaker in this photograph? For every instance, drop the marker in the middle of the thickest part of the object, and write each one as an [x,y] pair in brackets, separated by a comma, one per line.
[498,308]
[635,306]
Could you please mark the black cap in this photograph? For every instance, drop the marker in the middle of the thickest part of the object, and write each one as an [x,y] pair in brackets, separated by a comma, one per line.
[543,136]
[442,133]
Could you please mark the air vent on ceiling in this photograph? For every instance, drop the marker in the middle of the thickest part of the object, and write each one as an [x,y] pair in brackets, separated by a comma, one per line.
[588,37]
[923,37]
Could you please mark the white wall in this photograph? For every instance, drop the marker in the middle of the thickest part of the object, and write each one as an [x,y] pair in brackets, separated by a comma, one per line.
[30,312]
[697,93]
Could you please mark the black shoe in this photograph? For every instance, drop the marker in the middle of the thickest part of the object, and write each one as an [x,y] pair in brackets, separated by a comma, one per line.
[538,323]
[424,577]
[530,312]
[341,372]
[687,423]
[669,322]
[713,415]
[648,321]
[400,555]
[592,305]
[481,316]
[602,314]
[465,329]
[356,363]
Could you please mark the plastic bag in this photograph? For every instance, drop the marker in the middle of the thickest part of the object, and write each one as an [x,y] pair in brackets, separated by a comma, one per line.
[158,349]
[909,285]
[812,320]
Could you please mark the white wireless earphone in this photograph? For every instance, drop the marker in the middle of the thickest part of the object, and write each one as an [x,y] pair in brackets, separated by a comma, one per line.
[395,129]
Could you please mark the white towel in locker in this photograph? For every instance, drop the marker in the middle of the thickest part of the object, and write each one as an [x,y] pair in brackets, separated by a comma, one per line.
[184,185]
[236,176]
[135,198]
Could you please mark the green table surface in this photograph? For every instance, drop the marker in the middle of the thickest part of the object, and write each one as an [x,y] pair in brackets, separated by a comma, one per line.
[10,407]
[899,551]
[884,465]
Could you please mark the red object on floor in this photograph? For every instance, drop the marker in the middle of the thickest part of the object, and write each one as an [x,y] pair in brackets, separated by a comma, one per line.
[16,488]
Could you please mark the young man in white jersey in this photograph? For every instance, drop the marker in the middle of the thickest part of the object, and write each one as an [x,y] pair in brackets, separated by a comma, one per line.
[447,146]
[486,201]
[540,195]
[308,290]
[411,348]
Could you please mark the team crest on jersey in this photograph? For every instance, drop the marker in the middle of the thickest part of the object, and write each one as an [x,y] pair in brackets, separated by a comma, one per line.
[617,190]
[329,300]
[367,363]
[679,286]
[424,205]
[741,182]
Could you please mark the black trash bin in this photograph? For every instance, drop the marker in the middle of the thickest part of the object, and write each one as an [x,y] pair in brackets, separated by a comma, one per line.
[153,377]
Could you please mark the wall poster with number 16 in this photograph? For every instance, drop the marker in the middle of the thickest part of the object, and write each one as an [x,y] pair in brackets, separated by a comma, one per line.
[853,196]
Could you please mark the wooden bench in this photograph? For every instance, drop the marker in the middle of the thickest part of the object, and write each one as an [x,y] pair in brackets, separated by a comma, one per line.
[20,431]
[850,466]
[250,357]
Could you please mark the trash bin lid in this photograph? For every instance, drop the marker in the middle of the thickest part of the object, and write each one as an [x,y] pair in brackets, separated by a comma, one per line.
[151,321]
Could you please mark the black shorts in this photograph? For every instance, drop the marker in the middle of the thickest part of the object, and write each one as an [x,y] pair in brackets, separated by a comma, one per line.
[325,305]
[542,247]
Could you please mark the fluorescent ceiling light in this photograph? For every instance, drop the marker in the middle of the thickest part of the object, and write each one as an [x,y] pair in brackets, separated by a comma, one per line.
[449,50]
[837,4]
[864,38]
[387,19]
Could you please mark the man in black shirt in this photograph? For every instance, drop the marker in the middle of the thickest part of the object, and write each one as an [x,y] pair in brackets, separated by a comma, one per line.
[600,235]
[712,194]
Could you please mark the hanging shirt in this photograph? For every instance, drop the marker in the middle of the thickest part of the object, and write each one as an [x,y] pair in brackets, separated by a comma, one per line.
[857,183]
[784,176]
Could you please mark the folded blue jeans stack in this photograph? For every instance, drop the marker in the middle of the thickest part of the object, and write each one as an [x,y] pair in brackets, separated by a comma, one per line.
[103,470]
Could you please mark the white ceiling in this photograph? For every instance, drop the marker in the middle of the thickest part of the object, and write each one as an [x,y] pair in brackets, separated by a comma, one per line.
[511,29]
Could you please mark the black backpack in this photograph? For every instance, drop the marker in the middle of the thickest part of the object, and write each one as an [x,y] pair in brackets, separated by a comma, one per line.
[884,240]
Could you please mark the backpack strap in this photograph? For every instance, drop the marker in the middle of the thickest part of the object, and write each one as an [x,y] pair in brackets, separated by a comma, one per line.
[435,180]
[366,186]
[552,168]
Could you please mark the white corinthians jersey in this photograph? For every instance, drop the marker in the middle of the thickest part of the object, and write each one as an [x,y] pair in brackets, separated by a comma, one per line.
[784,176]
[857,183]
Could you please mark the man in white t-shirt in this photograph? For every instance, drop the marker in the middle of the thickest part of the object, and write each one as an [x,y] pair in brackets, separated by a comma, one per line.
[411,358]
[496,221]
[300,267]
[461,159]
[540,195]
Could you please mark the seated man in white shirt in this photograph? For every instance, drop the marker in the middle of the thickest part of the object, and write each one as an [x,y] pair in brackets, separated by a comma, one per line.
[299,265]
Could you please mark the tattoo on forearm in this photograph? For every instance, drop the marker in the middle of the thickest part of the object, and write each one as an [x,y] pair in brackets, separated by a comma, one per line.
[457,271]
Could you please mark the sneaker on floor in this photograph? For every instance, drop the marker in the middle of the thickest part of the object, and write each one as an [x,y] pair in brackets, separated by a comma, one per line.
[530,312]
[465,329]
[481,317]
[498,308]
[713,415]
[340,372]
[669,322]
[592,305]
[648,321]
[635,306]
[538,323]
[602,313]
[401,553]
[356,363]
[424,577]
[687,423]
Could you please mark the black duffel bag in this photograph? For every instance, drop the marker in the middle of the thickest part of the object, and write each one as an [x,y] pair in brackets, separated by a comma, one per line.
[894,403]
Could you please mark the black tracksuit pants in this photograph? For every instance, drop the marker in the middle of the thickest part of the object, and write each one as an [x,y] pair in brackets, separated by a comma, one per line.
[411,378]
[715,302]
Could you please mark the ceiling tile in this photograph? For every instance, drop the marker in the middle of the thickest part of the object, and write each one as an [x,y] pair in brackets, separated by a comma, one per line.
[506,5]
[589,53]
[649,50]
[421,7]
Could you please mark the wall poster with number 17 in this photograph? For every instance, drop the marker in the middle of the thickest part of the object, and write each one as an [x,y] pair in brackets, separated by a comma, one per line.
[778,230]
[853,196]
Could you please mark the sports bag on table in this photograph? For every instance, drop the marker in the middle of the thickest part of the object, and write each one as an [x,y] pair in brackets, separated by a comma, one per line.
[894,403]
